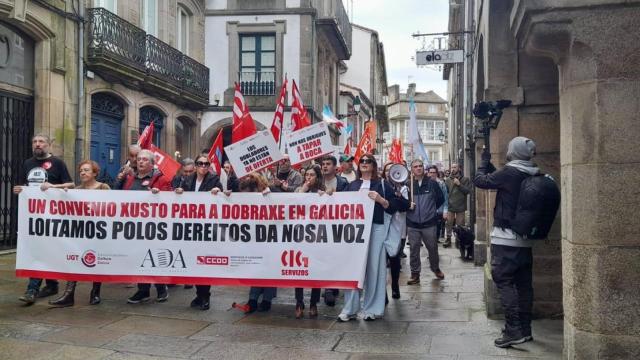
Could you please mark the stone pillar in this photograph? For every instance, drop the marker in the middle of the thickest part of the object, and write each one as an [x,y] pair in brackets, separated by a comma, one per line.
[596,49]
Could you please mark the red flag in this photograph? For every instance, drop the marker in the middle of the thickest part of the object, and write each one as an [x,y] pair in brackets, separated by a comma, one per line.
[243,125]
[165,163]
[367,142]
[395,153]
[299,115]
[278,116]
[145,140]
[215,154]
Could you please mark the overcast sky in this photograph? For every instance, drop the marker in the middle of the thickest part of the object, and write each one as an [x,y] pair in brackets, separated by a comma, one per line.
[395,21]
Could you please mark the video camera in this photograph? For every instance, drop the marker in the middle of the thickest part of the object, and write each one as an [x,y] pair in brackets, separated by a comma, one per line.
[489,112]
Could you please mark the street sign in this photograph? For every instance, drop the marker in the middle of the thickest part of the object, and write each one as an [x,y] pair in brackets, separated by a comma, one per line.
[439,57]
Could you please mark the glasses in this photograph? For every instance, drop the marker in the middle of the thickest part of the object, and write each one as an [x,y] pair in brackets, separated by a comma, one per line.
[203,163]
[365,161]
[432,172]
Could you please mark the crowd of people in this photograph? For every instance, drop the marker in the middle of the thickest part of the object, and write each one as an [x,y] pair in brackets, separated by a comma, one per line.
[403,212]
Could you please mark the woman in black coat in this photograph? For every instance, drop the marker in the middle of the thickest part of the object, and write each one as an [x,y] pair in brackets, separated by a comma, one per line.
[202,180]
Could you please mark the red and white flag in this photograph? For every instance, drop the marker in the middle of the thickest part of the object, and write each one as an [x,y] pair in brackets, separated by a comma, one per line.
[278,116]
[367,142]
[347,147]
[299,115]
[215,153]
[145,140]
[243,125]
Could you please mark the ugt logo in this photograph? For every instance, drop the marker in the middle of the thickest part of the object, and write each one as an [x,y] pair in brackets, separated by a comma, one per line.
[163,258]
[294,258]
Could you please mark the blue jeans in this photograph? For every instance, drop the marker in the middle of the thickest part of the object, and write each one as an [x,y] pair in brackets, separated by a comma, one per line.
[34,284]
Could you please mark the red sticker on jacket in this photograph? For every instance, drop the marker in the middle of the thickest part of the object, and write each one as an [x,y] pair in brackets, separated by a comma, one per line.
[46,165]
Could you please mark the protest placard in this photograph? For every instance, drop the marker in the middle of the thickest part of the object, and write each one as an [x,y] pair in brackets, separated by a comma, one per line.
[309,143]
[253,153]
[250,239]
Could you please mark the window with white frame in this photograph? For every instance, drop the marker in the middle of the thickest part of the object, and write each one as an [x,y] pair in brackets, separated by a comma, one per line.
[150,17]
[432,108]
[111,5]
[429,129]
[183,30]
[434,155]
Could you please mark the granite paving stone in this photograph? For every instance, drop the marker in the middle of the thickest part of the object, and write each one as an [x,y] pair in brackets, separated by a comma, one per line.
[436,320]
[156,345]
[81,336]
[157,326]
[385,343]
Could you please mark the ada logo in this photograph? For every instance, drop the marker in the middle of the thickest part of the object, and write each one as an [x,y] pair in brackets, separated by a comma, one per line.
[163,258]
[212,260]
[89,258]
[292,258]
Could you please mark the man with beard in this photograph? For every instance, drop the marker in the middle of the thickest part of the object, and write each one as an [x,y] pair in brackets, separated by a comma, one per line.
[287,179]
[46,171]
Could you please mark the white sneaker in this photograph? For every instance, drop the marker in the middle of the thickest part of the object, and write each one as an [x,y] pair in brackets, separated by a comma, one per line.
[369,317]
[344,317]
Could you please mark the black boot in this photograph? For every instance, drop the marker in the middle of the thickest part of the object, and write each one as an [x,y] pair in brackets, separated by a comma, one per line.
[94,296]
[67,296]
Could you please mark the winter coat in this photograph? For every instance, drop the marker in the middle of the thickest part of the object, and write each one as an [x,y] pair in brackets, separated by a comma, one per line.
[428,198]
[458,194]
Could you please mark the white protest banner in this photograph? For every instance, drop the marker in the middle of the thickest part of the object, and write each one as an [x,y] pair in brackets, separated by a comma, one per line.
[245,239]
[309,143]
[253,153]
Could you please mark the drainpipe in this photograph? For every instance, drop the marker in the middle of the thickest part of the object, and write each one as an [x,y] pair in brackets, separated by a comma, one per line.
[80,129]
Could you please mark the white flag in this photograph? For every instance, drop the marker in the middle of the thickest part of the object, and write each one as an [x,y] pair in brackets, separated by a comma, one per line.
[414,136]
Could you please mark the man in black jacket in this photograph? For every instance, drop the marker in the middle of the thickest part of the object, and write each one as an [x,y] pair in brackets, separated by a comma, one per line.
[422,221]
[332,183]
[511,258]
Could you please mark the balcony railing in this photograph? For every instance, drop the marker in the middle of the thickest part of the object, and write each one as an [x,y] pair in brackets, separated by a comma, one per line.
[331,14]
[121,51]
[258,83]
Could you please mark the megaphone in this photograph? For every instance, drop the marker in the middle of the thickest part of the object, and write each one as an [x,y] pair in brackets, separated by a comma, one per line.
[398,173]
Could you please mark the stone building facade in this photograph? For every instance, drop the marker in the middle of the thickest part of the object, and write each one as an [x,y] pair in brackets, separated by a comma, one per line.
[571,70]
[255,43]
[431,118]
[90,74]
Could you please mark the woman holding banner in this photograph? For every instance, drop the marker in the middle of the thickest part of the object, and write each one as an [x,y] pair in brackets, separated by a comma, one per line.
[202,180]
[382,236]
[312,184]
[255,182]
[88,171]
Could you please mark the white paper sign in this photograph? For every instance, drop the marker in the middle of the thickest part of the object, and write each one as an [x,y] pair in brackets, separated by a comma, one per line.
[309,143]
[253,153]
[245,239]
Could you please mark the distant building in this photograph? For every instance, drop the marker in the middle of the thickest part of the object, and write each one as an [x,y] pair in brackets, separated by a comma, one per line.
[255,43]
[431,117]
[365,77]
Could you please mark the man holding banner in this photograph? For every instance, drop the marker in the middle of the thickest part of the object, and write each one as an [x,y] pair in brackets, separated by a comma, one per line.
[145,178]
[46,171]
[287,179]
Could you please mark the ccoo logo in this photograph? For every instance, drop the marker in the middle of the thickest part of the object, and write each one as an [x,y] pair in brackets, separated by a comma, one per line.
[294,258]
[89,258]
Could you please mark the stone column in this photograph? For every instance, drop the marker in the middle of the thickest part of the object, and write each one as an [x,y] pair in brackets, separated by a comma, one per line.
[596,49]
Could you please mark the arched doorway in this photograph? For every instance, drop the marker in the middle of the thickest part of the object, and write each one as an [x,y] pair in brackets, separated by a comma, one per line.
[107,112]
[150,114]
[17,73]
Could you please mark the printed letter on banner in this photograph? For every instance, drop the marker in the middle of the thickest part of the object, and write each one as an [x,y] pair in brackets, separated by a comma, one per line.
[309,143]
[253,153]
[246,239]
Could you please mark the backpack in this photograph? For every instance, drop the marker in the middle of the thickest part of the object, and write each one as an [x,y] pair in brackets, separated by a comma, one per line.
[538,204]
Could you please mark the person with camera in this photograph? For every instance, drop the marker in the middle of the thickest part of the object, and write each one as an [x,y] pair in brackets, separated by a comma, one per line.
[511,256]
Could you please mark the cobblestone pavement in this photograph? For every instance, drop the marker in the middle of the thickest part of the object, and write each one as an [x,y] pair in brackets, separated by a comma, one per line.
[435,320]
